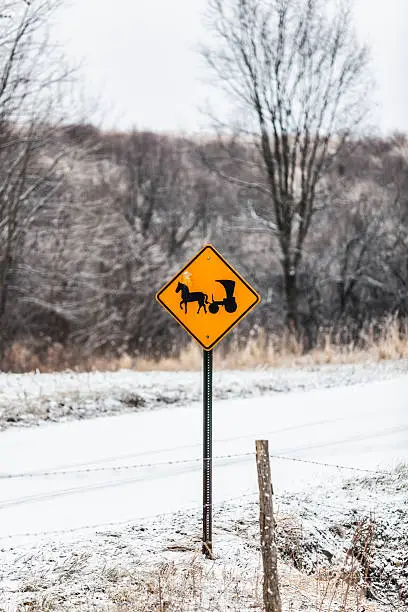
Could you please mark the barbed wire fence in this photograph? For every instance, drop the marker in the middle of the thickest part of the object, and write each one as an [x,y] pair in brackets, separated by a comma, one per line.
[218,506]
[170,462]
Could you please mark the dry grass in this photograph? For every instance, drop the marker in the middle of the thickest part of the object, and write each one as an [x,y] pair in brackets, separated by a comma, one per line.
[280,351]
[285,351]
[202,585]
[348,582]
[185,582]
[191,582]
[197,584]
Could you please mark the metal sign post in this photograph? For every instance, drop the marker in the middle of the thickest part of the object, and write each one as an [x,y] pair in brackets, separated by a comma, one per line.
[208,298]
[207,453]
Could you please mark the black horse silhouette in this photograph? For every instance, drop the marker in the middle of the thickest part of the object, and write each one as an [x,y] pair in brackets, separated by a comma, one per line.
[196,296]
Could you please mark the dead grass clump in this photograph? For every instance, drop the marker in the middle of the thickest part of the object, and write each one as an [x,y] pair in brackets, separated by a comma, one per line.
[286,351]
[215,587]
[196,585]
[20,357]
[389,342]
[190,359]
[348,583]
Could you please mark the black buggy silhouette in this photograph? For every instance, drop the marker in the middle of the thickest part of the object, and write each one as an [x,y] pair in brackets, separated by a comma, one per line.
[228,302]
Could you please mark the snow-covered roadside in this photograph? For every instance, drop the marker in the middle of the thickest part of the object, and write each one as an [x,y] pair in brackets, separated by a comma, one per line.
[138,563]
[145,564]
[30,399]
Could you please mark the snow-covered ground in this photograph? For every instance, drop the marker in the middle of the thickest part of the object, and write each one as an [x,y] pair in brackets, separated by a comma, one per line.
[153,561]
[87,508]
[31,399]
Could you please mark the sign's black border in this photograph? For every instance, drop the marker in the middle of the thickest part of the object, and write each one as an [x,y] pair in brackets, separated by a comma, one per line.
[255,294]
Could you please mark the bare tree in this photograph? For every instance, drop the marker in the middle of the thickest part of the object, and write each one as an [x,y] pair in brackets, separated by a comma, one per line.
[160,193]
[29,88]
[298,77]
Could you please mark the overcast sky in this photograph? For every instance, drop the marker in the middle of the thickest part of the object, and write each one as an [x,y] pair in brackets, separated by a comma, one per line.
[139,59]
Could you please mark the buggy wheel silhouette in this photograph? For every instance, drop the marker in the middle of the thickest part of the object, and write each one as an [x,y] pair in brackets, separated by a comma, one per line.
[230,306]
[213,308]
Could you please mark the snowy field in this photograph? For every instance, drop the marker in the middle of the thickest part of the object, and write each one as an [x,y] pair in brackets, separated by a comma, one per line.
[104,514]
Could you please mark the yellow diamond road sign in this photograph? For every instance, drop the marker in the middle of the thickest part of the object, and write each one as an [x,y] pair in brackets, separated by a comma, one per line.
[208,297]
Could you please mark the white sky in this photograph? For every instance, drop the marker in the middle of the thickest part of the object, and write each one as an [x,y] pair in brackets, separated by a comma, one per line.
[140,64]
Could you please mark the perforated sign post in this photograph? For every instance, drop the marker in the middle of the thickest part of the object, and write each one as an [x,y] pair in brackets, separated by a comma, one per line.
[208,298]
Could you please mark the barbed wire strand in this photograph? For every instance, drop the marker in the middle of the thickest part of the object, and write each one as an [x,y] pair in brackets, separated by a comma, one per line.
[330,465]
[119,468]
[129,522]
[218,508]
[135,524]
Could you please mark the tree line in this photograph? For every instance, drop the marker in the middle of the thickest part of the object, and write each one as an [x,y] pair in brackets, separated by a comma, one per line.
[83,254]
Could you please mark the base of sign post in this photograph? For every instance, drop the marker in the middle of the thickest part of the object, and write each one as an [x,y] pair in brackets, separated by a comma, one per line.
[207,453]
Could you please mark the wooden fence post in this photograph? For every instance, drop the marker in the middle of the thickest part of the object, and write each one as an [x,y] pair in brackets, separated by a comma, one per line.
[271,596]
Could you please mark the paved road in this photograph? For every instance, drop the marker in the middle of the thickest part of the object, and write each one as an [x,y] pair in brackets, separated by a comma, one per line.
[364,426]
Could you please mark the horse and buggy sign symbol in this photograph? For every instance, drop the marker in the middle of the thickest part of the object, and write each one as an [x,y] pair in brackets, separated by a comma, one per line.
[208,297]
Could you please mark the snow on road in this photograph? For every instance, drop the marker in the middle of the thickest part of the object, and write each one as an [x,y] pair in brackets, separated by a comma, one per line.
[364,426]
